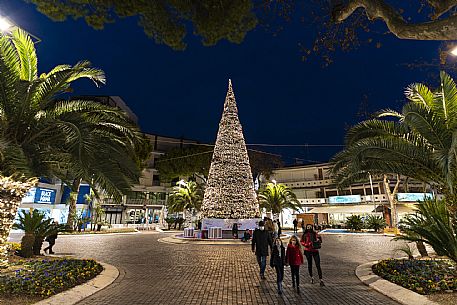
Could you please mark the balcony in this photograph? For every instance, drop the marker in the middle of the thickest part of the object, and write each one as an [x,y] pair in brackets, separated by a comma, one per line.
[306,183]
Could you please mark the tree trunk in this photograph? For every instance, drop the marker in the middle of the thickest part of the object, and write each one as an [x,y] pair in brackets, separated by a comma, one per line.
[27,242]
[421,248]
[37,245]
[72,203]
[11,194]
[391,195]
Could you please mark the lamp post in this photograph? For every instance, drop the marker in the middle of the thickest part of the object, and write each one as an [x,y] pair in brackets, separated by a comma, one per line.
[7,26]
[453,52]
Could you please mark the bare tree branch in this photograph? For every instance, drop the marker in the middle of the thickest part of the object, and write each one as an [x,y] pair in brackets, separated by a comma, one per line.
[442,29]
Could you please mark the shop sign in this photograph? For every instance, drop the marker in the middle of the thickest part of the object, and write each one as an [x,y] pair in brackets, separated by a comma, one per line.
[414,197]
[344,199]
[45,195]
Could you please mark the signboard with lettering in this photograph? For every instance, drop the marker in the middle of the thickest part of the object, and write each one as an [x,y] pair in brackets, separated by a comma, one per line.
[414,197]
[344,199]
[43,195]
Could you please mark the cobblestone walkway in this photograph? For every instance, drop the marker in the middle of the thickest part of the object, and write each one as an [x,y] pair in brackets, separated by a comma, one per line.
[158,273]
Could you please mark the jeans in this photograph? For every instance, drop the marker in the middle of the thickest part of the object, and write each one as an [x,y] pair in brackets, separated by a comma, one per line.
[317,260]
[262,261]
[279,273]
[295,270]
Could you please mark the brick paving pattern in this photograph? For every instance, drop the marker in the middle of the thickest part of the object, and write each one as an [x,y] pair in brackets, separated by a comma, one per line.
[152,272]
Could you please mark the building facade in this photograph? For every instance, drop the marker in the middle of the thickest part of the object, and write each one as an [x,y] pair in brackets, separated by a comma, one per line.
[319,195]
[147,200]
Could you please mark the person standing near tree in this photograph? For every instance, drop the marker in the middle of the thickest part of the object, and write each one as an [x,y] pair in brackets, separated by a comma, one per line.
[51,239]
[261,240]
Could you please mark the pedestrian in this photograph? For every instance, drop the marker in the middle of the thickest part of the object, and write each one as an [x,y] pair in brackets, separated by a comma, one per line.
[277,261]
[279,229]
[261,240]
[246,236]
[312,242]
[295,222]
[235,230]
[51,239]
[303,225]
[275,229]
[294,258]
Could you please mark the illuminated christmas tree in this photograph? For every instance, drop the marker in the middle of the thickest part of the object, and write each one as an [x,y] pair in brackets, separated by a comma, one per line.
[229,192]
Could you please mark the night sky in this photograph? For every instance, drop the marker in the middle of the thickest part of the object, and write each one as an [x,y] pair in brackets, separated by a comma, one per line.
[281,99]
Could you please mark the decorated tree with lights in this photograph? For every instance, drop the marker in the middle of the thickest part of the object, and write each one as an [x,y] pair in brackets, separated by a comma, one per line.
[229,192]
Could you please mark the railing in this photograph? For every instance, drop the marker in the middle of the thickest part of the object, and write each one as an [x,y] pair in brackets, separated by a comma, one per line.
[304,183]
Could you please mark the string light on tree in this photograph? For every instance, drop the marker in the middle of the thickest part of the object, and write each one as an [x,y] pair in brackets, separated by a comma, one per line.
[229,192]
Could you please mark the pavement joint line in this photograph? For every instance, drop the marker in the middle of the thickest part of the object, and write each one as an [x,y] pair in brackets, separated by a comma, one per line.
[80,292]
[396,292]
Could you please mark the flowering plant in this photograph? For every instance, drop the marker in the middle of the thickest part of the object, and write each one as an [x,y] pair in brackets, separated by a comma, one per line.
[421,276]
[48,277]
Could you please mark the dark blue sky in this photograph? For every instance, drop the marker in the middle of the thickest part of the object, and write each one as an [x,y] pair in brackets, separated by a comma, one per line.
[281,99]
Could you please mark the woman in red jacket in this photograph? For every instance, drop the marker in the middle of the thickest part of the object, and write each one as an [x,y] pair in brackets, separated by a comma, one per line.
[311,241]
[294,258]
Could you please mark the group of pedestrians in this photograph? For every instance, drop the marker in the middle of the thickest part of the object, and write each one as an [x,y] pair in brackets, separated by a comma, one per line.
[307,246]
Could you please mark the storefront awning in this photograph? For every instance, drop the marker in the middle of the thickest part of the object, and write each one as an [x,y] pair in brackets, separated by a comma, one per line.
[344,209]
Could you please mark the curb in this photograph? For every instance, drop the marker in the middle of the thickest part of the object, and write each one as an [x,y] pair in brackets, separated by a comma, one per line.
[80,292]
[400,294]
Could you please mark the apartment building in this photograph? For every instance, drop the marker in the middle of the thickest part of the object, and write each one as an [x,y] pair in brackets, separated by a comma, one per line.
[319,195]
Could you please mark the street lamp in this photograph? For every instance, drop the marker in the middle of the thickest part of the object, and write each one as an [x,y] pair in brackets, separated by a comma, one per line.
[5,25]
[454,51]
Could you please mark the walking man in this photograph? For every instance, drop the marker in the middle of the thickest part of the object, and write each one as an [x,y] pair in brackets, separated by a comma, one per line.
[261,240]
[295,225]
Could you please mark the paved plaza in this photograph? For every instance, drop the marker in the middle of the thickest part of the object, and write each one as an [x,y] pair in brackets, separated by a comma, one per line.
[152,272]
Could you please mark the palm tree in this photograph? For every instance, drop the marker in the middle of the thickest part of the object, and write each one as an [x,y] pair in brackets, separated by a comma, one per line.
[275,197]
[44,135]
[432,224]
[186,197]
[419,142]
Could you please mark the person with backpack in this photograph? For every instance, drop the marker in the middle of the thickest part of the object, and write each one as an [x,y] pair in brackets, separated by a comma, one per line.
[277,261]
[312,242]
[294,258]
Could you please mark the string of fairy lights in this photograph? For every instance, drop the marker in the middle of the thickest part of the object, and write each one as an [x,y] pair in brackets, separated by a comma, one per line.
[229,191]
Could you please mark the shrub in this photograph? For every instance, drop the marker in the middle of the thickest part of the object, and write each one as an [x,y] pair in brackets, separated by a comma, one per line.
[432,224]
[375,223]
[354,223]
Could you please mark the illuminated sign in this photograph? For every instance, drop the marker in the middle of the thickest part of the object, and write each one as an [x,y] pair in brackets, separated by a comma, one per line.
[414,197]
[345,199]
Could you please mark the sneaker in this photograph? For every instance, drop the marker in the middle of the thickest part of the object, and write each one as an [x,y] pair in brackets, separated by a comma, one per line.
[322,283]
[262,276]
[312,280]
[279,291]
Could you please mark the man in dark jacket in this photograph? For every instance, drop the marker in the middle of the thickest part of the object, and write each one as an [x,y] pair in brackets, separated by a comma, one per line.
[261,240]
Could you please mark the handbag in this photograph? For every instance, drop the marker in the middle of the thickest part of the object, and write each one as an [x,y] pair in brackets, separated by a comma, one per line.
[317,243]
